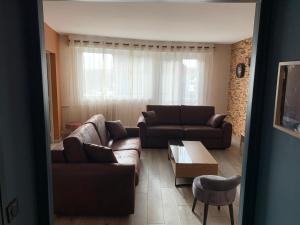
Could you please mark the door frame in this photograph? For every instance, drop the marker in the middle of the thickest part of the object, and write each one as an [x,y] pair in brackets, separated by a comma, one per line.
[33,30]
[50,60]
[254,112]
[40,117]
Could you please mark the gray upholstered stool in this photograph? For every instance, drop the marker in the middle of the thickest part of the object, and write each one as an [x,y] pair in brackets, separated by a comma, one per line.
[215,190]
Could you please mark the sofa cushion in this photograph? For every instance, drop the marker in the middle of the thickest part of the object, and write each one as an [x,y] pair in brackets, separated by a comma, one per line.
[150,118]
[170,131]
[73,144]
[166,114]
[125,144]
[199,131]
[116,129]
[129,157]
[216,120]
[98,153]
[58,156]
[99,123]
[196,115]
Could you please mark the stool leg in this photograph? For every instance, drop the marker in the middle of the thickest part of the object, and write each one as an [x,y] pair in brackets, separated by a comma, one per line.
[231,214]
[194,204]
[219,207]
[205,213]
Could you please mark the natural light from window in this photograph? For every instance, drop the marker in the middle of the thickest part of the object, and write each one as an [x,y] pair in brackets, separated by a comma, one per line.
[153,77]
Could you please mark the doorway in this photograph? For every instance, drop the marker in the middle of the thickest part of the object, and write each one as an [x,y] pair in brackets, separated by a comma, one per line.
[246,63]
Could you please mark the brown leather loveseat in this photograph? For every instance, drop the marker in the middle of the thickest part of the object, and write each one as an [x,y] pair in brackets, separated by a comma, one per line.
[83,188]
[186,123]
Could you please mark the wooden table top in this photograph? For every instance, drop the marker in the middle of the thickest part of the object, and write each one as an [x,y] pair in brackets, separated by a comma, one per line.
[190,152]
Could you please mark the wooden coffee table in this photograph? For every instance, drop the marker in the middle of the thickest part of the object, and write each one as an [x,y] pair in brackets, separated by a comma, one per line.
[190,159]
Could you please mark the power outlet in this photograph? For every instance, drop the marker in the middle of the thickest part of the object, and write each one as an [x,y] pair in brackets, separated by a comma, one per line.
[12,210]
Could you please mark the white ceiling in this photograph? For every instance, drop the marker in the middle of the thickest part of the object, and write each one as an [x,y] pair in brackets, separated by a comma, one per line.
[168,21]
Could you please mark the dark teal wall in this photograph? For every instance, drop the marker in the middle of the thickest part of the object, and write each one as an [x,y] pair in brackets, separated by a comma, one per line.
[24,129]
[278,189]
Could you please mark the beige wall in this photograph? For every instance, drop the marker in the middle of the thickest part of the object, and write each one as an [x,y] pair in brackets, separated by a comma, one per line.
[220,77]
[238,87]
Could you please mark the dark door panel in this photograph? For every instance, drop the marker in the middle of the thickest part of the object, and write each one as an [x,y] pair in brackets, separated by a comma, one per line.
[24,131]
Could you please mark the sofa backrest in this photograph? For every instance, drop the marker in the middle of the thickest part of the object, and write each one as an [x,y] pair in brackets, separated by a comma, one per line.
[98,122]
[196,115]
[73,144]
[166,114]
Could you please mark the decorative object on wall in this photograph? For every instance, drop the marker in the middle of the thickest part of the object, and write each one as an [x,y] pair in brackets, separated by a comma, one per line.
[240,70]
[238,88]
[287,102]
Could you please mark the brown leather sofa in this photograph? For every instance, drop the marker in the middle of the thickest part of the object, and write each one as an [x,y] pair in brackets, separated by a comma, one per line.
[83,188]
[186,123]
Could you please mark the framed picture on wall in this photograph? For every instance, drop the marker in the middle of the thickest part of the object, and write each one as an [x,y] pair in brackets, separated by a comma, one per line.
[287,103]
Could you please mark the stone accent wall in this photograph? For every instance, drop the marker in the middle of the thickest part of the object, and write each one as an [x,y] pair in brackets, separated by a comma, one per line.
[238,87]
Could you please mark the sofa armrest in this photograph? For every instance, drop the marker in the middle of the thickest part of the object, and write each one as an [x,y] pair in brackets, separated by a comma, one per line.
[132,131]
[93,188]
[227,131]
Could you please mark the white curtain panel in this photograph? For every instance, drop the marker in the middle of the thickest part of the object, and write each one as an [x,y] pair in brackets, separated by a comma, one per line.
[119,83]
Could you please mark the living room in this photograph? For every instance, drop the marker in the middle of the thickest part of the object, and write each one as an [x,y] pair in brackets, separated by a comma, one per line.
[268,193]
[163,79]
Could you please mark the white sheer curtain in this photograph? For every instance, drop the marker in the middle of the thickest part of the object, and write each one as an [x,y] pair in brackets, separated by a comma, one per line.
[119,83]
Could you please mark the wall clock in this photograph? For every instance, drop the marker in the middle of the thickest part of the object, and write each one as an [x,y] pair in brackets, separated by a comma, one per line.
[240,70]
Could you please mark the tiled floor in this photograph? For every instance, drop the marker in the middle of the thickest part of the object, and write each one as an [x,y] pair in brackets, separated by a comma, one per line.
[158,201]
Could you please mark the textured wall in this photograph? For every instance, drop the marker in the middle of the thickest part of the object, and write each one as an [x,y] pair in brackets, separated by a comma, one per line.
[219,81]
[238,87]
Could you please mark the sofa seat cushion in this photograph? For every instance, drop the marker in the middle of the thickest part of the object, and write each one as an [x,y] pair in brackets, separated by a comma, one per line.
[171,131]
[202,132]
[129,157]
[133,143]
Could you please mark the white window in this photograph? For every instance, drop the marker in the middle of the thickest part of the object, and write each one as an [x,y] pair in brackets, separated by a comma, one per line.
[181,81]
[192,75]
[95,68]
[156,77]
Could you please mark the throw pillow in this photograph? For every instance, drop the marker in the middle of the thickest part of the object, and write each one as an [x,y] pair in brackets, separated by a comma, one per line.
[116,129]
[98,153]
[216,120]
[150,118]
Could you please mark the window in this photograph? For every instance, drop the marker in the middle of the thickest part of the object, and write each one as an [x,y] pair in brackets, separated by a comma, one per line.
[192,81]
[155,77]
[180,82]
[95,67]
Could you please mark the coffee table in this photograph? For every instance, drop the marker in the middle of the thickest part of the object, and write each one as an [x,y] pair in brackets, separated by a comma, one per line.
[190,159]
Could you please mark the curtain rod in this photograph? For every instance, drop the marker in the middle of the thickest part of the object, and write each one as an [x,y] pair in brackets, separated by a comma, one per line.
[107,41]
